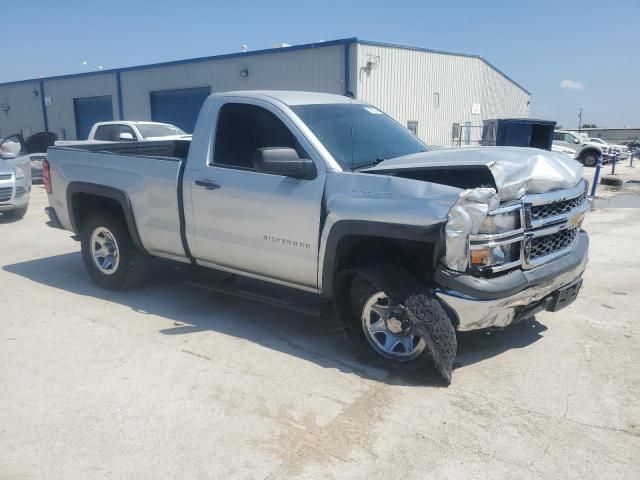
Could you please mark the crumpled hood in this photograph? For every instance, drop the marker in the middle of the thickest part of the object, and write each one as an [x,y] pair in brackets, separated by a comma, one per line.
[516,171]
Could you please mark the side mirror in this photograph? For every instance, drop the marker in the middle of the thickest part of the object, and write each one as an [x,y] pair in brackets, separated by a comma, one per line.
[8,156]
[576,140]
[283,161]
[126,136]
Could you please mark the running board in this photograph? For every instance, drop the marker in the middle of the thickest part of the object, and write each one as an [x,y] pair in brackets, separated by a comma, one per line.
[300,302]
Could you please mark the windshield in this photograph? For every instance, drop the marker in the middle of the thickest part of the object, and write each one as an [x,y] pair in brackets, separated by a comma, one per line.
[148,130]
[358,135]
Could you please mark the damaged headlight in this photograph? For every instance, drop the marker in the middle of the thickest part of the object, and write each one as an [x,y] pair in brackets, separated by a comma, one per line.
[483,256]
[500,223]
[494,245]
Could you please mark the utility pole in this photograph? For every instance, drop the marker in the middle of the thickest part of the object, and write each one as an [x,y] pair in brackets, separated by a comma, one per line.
[579,120]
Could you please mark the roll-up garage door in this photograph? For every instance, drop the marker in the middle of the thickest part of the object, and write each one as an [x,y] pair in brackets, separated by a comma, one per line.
[178,107]
[89,110]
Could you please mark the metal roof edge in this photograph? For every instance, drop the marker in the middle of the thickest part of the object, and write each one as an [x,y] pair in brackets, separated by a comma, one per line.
[442,52]
[304,46]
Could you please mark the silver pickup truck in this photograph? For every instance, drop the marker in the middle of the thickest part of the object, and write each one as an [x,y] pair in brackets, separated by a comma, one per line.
[330,195]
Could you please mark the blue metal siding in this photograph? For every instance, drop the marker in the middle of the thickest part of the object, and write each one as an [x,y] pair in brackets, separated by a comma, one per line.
[45,120]
[178,107]
[119,89]
[90,110]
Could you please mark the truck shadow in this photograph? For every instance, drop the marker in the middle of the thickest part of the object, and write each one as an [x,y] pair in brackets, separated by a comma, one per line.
[7,219]
[169,295]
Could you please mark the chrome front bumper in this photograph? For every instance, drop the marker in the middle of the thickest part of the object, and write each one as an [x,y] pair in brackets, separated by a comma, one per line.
[478,313]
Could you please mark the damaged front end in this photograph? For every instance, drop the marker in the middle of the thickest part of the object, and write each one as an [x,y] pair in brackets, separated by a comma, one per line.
[502,244]
[513,238]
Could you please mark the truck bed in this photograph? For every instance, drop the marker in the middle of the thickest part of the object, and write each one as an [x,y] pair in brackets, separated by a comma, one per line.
[147,172]
[160,148]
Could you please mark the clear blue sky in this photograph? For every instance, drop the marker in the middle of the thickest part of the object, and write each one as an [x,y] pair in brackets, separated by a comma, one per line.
[566,53]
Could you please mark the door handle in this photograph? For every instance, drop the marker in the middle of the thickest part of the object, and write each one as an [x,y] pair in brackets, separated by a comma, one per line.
[208,184]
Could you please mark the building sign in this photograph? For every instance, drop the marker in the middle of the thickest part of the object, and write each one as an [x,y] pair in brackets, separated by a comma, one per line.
[475,109]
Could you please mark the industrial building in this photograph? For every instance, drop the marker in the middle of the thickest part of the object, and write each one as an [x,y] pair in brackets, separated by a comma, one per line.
[613,135]
[429,91]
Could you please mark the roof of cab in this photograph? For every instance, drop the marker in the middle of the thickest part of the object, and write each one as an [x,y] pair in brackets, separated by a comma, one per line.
[290,97]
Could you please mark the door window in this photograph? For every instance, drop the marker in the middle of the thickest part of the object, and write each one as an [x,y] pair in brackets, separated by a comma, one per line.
[243,128]
[104,133]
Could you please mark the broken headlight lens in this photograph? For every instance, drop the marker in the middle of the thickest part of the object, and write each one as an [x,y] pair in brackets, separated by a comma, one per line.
[494,256]
[500,223]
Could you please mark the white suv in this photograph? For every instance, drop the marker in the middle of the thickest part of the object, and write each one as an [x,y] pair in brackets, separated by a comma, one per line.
[623,150]
[587,152]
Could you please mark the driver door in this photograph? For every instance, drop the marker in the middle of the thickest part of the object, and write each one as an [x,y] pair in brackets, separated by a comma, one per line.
[261,224]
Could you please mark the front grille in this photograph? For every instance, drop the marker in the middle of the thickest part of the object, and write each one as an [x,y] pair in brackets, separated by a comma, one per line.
[5,176]
[5,193]
[20,191]
[539,212]
[548,244]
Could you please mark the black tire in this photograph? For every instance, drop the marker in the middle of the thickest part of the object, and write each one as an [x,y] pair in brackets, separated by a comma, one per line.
[361,291]
[430,320]
[17,213]
[589,159]
[424,317]
[133,265]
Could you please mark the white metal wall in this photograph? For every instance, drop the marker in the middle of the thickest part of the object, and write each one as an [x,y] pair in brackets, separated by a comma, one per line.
[24,110]
[319,69]
[60,113]
[403,82]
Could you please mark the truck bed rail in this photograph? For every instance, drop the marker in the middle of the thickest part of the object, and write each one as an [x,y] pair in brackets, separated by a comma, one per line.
[160,148]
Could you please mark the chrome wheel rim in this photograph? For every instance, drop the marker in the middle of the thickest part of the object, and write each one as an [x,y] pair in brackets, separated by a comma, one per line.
[104,251]
[385,330]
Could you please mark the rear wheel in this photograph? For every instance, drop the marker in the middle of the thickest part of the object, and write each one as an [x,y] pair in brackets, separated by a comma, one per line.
[109,255]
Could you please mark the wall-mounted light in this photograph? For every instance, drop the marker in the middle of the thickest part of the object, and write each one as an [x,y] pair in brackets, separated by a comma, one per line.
[372,63]
[244,73]
[5,107]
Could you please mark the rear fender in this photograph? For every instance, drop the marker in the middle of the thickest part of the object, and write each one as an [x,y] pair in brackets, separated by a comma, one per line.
[103,191]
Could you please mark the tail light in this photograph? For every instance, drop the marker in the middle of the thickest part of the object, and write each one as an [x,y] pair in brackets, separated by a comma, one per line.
[46,175]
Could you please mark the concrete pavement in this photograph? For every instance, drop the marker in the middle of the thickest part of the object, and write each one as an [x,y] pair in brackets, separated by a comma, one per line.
[170,381]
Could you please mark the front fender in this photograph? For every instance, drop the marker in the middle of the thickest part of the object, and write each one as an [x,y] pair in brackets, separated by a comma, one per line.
[379,206]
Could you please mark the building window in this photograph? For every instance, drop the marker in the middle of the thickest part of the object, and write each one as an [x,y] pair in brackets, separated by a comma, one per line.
[412,125]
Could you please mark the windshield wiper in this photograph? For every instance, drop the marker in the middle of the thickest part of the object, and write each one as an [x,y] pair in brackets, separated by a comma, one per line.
[372,163]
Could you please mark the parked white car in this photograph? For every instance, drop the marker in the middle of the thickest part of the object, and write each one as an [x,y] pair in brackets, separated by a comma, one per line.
[121,131]
[15,184]
[623,150]
[27,153]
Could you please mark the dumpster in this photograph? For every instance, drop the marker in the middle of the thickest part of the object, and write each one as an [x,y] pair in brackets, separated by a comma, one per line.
[518,132]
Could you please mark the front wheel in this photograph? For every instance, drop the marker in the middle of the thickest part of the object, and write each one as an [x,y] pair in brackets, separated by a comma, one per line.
[400,325]
[109,255]
[589,159]
[384,330]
